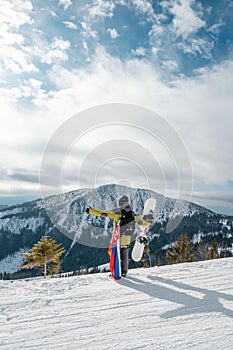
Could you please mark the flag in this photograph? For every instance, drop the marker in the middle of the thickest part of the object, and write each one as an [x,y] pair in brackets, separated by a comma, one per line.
[114,253]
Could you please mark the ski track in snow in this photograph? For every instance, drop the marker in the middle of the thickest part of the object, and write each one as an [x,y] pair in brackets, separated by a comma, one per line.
[185,306]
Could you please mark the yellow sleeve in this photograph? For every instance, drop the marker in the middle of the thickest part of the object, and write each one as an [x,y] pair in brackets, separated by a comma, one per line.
[105,213]
[139,220]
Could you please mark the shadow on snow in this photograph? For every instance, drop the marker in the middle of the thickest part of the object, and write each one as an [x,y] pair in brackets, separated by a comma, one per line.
[208,303]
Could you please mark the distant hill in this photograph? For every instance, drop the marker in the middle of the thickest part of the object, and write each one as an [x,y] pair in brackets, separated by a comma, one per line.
[63,217]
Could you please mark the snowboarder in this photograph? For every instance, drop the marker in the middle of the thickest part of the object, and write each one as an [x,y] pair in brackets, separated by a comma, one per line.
[127,219]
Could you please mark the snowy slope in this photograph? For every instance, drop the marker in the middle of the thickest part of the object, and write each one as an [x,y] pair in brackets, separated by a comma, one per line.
[185,306]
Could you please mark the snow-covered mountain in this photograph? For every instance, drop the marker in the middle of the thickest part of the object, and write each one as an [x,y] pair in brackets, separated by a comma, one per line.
[63,217]
[180,307]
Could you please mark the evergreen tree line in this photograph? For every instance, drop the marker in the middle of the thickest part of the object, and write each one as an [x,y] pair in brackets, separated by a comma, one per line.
[183,251]
[46,256]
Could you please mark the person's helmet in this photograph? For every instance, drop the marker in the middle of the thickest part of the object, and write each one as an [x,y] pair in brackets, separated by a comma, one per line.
[123,201]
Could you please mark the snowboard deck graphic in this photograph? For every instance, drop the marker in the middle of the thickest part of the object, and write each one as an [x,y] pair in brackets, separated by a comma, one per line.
[141,239]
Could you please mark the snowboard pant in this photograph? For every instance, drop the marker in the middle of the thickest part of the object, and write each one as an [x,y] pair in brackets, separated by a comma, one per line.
[124,259]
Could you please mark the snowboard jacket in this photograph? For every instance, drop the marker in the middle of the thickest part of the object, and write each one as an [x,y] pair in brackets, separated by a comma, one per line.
[115,214]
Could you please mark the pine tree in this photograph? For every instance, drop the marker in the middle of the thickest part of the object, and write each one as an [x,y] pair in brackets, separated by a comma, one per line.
[158,263]
[54,268]
[181,251]
[213,253]
[43,253]
[201,251]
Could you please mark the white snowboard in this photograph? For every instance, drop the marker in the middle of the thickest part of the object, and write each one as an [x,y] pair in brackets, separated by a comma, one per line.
[141,239]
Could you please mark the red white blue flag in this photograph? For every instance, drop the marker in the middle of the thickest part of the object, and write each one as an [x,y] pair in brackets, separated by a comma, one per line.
[114,253]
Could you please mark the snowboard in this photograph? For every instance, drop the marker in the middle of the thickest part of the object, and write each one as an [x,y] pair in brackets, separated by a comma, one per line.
[141,238]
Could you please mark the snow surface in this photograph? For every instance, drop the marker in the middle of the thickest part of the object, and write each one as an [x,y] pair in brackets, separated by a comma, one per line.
[185,306]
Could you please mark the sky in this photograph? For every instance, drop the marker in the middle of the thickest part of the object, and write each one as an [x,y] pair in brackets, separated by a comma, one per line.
[59,58]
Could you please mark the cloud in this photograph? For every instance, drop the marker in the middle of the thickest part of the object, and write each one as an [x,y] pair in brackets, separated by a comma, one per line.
[53,14]
[46,80]
[197,46]
[101,8]
[200,108]
[170,65]
[219,201]
[192,105]
[139,52]
[180,33]
[87,31]
[156,35]
[20,175]
[53,52]
[16,60]
[65,4]
[16,31]
[144,7]
[70,25]
[30,88]
[215,28]
[85,46]
[113,33]
[186,20]
[14,15]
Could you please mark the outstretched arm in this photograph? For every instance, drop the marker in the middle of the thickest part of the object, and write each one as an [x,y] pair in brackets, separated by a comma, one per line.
[139,220]
[104,213]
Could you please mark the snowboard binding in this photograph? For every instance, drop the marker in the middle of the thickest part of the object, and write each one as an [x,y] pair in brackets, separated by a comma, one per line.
[142,239]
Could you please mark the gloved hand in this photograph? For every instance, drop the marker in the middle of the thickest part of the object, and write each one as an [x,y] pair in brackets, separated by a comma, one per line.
[87,210]
[148,217]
